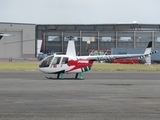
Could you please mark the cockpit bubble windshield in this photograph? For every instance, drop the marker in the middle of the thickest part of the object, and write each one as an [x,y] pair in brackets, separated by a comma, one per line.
[46,62]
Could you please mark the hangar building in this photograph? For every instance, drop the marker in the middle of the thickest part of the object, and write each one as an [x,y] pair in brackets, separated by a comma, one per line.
[88,37]
[130,37]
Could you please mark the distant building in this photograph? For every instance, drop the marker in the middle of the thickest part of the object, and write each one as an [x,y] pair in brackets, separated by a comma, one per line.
[87,37]
[100,36]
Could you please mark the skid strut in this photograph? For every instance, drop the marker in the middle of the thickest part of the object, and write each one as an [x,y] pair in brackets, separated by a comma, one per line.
[61,75]
[80,75]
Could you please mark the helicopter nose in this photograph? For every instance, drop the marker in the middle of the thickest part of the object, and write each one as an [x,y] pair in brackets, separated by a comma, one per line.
[44,70]
[41,69]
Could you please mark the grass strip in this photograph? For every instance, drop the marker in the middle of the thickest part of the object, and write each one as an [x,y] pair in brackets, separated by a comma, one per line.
[125,67]
[19,65]
[96,66]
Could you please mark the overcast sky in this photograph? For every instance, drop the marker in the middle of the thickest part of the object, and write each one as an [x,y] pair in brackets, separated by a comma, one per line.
[80,11]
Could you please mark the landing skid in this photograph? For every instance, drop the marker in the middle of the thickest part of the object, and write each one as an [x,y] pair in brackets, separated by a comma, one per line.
[49,77]
[73,78]
[61,76]
[52,78]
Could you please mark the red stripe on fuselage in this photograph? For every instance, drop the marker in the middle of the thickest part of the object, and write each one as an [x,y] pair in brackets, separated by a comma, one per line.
[80,63]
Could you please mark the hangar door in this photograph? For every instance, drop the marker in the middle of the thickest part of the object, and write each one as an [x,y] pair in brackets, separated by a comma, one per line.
[11,46]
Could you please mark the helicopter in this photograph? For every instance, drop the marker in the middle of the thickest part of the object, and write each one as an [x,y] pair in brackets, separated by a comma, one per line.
[3,35]
[61,64]
[69,62]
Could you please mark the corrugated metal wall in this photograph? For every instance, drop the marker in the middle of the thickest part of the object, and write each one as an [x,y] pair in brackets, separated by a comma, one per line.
[139,35]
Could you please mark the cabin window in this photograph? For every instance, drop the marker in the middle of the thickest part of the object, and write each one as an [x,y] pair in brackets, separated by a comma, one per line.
[56,60]
[65,60]
[46,62]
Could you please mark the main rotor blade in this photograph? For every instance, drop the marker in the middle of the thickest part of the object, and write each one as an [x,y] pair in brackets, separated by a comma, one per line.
[19,41]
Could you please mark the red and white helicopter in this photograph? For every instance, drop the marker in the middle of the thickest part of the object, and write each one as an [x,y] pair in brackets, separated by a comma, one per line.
[70,63]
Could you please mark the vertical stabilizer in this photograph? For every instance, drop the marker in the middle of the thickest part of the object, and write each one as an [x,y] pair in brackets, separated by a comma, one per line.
[147,53]
[71,48]
[148,49]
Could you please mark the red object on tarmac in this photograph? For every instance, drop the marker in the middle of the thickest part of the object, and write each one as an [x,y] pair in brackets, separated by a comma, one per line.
[126,61]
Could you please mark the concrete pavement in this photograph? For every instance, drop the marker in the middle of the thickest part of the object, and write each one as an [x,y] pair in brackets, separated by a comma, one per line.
[112,95]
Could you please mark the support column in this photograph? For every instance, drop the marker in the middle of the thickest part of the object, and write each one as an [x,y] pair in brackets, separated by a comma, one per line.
[153,40]
[80,40]
[62,42]
[134,40]
[98,40]
[116,40]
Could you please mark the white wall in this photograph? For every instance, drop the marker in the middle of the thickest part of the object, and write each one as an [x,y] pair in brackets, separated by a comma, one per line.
[22,44]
